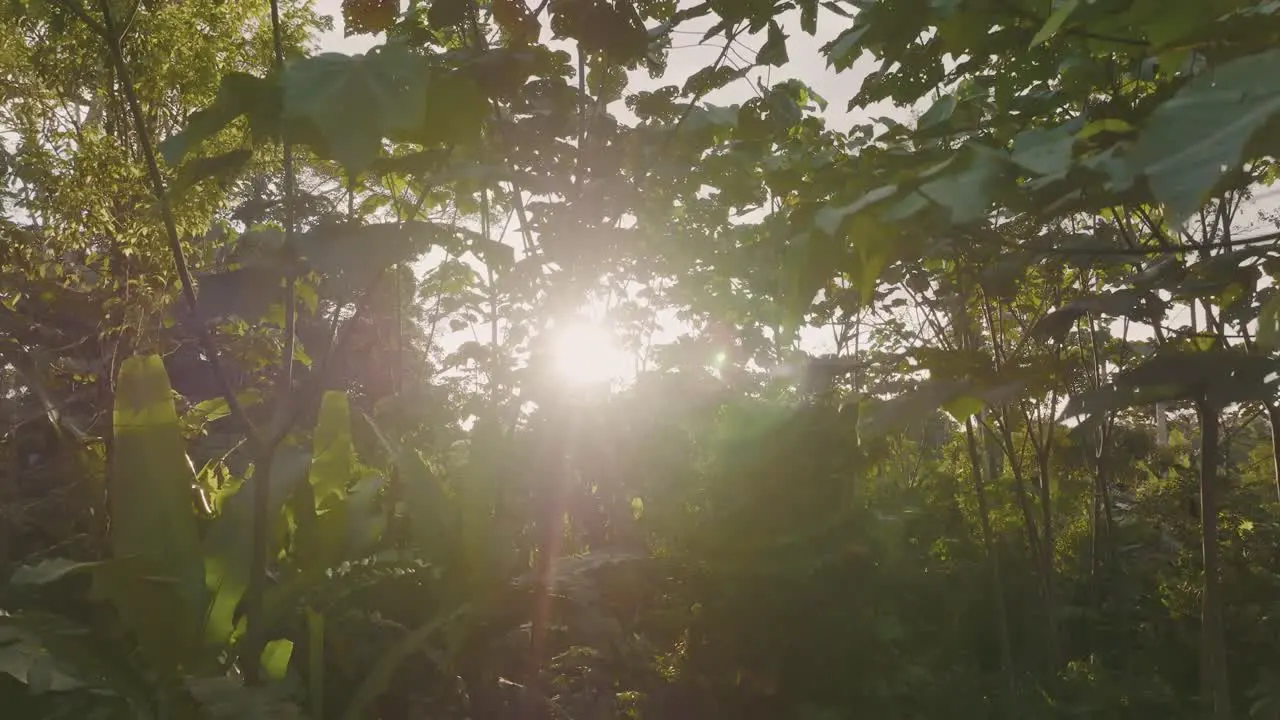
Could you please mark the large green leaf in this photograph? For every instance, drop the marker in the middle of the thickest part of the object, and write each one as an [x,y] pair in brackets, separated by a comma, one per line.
[239,94]
[830,219]
[49,571]
[157,579]
[227,698]
[352,256]
[940,112]
[333,458]
[380,675]
[1133,304]
[774,50]
[1192,139]
[70,656]
[1046,152]
[1220,377]
[275,658]
[325,515]
[426,503]
[959,398]
[229,544]
[1062,10]
[968,192]
[247,292]
[223,168]
[1269,324]
[354,101]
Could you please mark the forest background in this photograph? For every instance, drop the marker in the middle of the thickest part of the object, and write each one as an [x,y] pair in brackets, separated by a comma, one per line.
[896,357]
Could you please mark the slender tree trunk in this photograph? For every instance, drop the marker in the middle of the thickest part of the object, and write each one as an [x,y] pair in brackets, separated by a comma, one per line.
[1102,519]
[1020,488]
[993,559]
[1046,561]
[1215,689]
[1273,421]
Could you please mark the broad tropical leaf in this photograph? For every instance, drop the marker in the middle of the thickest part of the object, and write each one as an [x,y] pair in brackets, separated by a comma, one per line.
[156,579]
[1194,138]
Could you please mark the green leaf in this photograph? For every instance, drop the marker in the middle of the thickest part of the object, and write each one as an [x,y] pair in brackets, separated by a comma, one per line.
[78,657]
[428,506]
[911,407]
[1130,303]
[1045,152]
[228,698]
[380,675]
[238,94]
[495,253]
[808,16]
[228,547]
[967,194]
[774,50]
[217,408]
[353,256]
[1221,377]
[369,16]
[1095,403]
[447,13]
[366,518]
[224,168]
[157,580]
[247,292]
[354,101]
[49,571]
[1194,137]
[939,112]
[333,457]
[1061,12]
[1269,324]
[831,219]
[845,49]
[275,659]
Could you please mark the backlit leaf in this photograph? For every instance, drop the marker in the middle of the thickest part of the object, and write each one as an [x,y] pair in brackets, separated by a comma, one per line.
[1269,324]
[829,219]
[332,455]
[354,101]
[228,545]
[1192,139]
[1061,12]
[940,112]
[239,94]
[157,579]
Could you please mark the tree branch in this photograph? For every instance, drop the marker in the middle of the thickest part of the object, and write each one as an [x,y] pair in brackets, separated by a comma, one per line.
[107,31]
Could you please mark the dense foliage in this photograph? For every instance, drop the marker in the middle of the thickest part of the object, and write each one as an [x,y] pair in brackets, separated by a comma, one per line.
[971,416]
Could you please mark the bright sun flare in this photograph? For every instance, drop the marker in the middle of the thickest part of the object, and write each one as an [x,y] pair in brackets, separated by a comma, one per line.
[585,353]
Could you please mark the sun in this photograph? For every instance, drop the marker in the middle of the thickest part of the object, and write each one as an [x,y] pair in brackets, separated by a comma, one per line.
[585,353]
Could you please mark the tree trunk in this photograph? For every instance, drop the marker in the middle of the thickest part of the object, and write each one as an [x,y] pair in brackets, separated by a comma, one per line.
[1215,689]
[993,558]
[1046,562]
[1273,421]
[1020,489]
